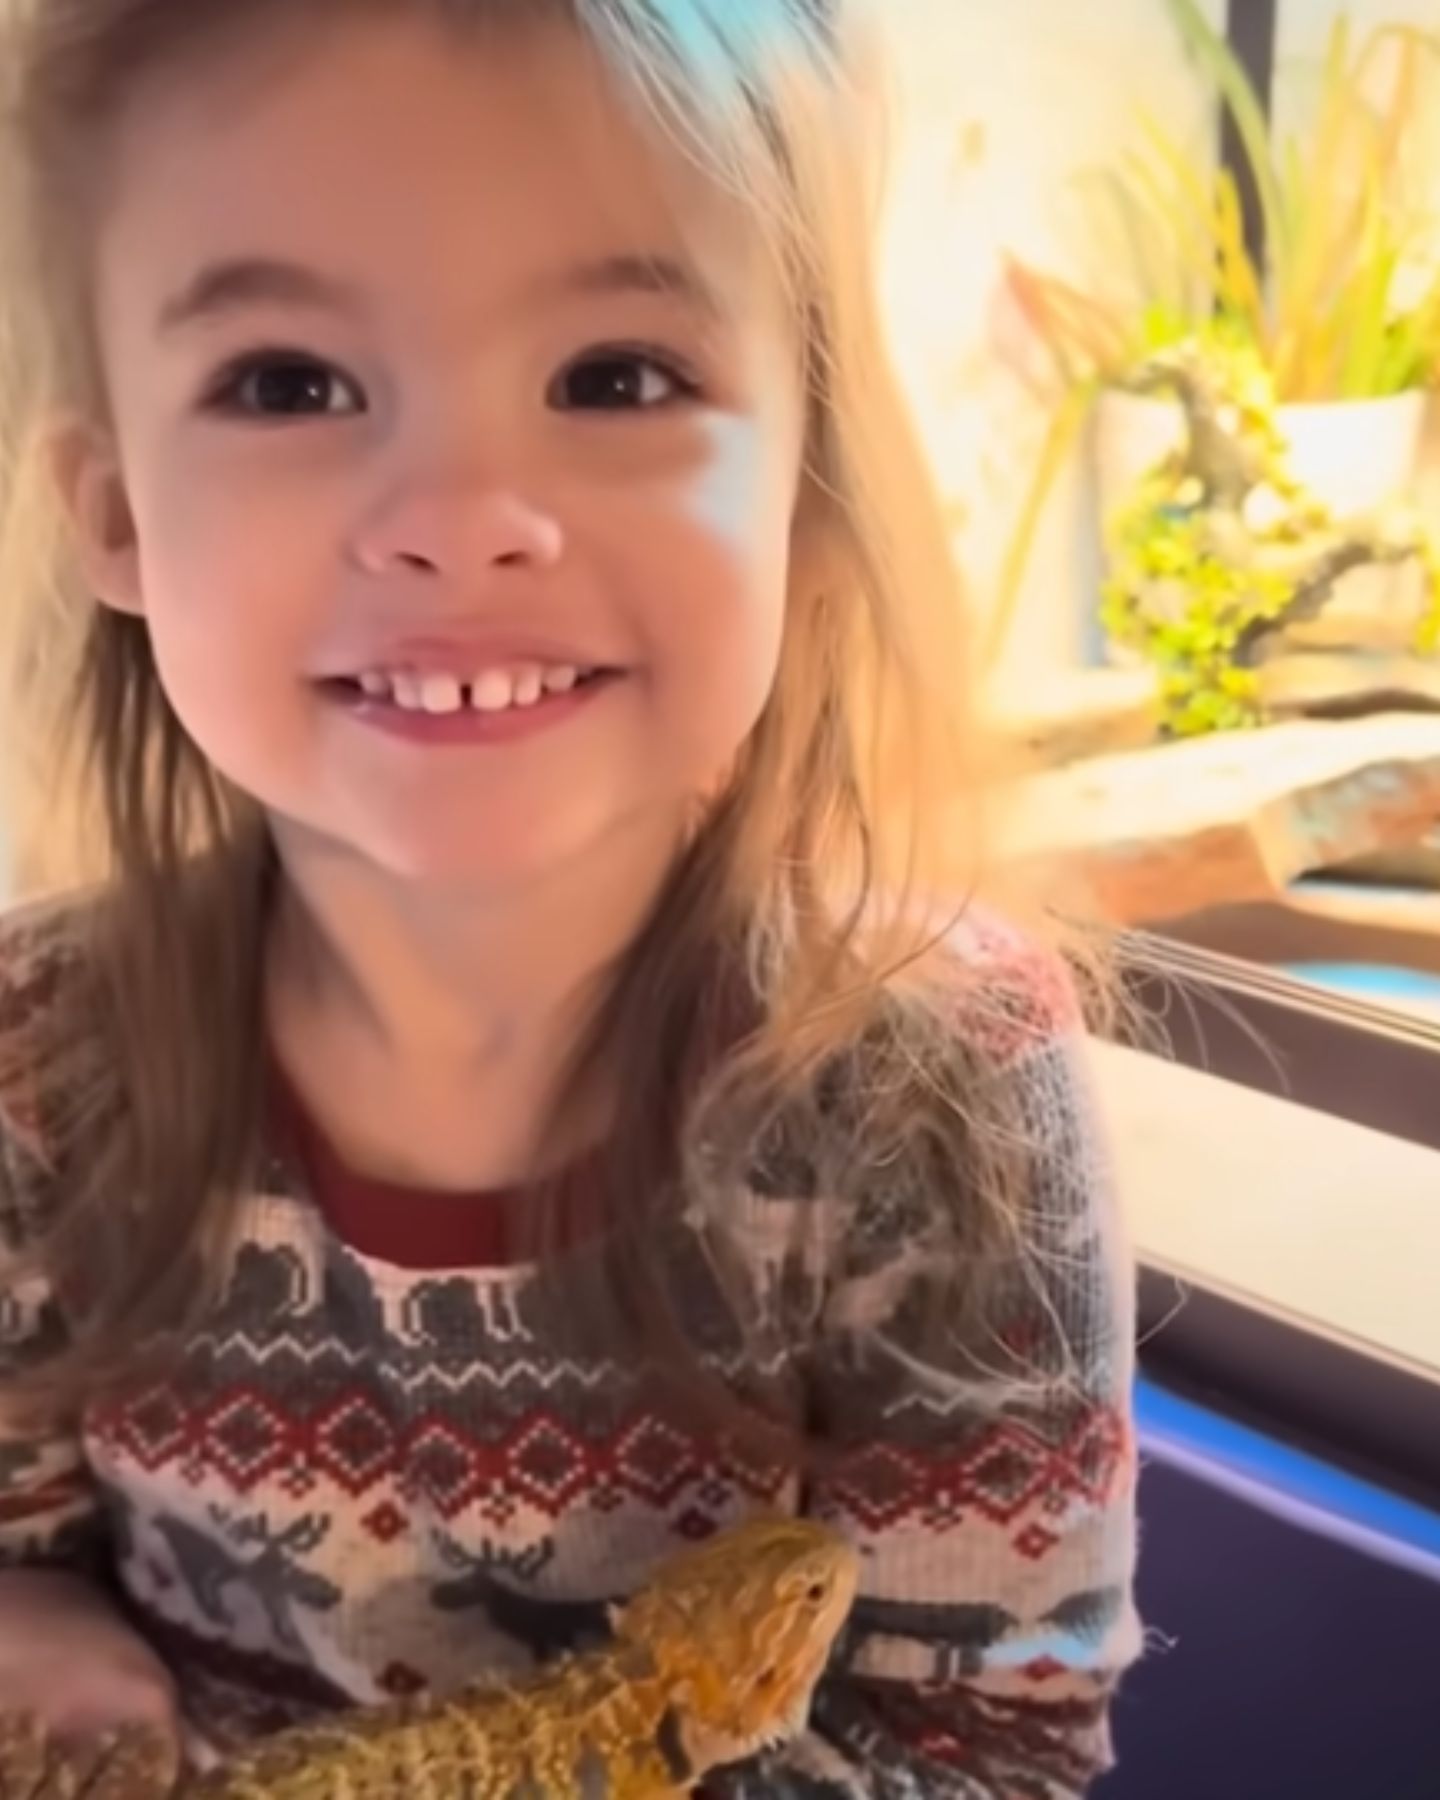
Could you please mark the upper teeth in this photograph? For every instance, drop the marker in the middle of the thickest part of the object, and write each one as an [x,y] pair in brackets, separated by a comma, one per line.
[493,690]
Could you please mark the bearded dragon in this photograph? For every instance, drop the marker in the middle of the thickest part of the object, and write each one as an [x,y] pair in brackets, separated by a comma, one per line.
[714,1660]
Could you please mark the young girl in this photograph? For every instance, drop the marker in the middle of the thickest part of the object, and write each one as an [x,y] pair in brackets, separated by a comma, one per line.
[500,1102]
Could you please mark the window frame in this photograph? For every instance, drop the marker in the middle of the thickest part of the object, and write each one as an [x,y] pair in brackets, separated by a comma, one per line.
[1375,1066]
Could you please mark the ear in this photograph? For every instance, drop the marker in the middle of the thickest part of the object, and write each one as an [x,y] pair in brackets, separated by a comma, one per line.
[85,466]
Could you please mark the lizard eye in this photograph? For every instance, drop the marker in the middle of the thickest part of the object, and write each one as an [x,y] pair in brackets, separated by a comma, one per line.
[815,1592]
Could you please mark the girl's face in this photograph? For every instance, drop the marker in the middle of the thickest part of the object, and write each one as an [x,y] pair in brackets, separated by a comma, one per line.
[434,389]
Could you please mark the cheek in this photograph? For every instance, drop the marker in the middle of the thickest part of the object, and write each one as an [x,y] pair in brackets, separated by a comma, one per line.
[229,559]
[714,568]
[232,572]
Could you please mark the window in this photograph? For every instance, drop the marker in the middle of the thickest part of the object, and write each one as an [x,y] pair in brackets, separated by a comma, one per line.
[1281,1163]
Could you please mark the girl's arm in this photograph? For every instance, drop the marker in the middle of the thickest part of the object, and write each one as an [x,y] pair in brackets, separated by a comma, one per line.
[67,1658]
[995,1613]
[48,1512]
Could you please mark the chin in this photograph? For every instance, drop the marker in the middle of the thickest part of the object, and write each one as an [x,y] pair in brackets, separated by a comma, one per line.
[451,842]
[460,866]
[498,846]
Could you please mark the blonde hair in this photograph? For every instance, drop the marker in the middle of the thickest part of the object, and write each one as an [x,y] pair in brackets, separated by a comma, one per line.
[782,992]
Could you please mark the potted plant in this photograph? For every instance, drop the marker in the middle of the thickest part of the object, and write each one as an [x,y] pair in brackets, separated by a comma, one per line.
[1218,553]
[1341,324]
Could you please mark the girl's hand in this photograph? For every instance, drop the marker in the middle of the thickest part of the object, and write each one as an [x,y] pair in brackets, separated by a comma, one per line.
[72,1665]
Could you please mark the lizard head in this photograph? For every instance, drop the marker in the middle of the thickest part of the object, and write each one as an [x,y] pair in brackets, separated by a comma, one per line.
[739,1630]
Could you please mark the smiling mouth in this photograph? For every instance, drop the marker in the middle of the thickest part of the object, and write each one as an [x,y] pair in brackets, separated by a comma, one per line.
[440,695]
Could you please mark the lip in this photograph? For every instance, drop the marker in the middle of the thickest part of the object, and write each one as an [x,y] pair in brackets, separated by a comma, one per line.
[467,726]
[465,655]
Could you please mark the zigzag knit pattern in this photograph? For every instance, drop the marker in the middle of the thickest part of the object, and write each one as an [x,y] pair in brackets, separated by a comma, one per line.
[391,1460]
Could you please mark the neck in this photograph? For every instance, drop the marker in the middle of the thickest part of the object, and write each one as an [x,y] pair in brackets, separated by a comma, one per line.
[381,980]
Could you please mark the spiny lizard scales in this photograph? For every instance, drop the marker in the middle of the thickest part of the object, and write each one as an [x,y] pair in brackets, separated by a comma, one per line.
[714,1660]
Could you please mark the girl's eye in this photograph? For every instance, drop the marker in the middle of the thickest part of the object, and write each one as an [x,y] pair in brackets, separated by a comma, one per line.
[619,381]
[284,387]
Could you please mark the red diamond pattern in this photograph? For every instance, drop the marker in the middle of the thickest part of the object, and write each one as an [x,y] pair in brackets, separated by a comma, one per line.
[299,1480]
[247,1437]
[386,1522]
[1035,1542]
[656,1461]
[1012,1475]
[496,1504]
[1010,1472]
[547,1463]
[354,1443]
[1006,1473]
[445,1465]
[154,1429]
[879,1487]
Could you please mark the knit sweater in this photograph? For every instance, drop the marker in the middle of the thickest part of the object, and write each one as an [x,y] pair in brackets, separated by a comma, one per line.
[388,1462]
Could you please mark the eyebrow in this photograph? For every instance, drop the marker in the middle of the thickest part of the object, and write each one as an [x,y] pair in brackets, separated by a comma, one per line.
[223,288]
[228,287]
[664,275]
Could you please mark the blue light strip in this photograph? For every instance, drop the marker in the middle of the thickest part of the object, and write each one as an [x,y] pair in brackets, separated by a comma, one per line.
[1292,1484]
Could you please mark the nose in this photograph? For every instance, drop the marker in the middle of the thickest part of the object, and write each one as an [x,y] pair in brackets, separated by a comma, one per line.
[457,531]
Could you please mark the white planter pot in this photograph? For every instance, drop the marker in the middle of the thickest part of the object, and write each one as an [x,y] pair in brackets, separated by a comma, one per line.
[1354,455]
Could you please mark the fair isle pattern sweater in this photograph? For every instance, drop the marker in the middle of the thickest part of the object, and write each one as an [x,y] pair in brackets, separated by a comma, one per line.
[388,1463]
